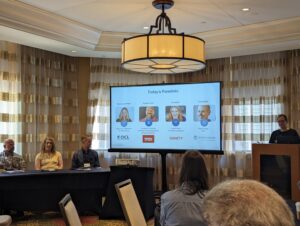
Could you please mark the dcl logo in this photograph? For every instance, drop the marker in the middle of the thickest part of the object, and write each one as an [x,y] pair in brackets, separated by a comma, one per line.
[123,137]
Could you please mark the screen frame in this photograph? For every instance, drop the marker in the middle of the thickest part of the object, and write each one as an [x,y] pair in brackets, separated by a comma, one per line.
[162,151]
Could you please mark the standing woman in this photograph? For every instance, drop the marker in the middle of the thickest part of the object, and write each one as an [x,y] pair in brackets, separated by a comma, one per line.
[182,206]
[48,158]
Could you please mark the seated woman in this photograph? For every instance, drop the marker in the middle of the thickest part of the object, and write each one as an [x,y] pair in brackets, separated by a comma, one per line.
[182,206]
[48,158]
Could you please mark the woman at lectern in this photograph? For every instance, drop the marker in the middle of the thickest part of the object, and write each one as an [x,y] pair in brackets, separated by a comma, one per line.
[48,158]
[284,135]
[182,206]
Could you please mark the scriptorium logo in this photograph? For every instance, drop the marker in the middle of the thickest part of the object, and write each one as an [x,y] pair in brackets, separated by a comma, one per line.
[123,137]
[148,138]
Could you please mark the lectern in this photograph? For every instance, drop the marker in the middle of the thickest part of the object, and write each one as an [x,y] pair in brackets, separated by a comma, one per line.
[286,157]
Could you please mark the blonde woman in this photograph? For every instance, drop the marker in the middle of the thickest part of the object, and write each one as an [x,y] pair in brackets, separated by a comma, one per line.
[175,112]
[48,158]
[124,115]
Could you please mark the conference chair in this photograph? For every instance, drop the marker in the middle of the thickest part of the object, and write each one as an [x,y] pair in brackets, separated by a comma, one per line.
[5,220]
[142,181]
[130,204]
[69,212]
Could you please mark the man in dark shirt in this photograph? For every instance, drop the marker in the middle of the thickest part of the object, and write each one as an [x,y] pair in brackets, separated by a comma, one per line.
[284,134]
[85,157]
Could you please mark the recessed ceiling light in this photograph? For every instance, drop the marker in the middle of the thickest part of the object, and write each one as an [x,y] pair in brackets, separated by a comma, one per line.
[145,28]
[74,51]
[245,9]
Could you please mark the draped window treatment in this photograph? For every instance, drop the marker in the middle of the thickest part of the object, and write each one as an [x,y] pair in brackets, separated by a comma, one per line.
[50,101]
[106,73]
[38,97]
[10,94]
[293,88]
[255,89]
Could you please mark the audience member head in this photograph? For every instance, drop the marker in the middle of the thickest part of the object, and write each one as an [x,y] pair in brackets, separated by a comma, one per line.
[48,145]
[203,112]
[9,145]
[245,202]
[86,142]
[282,121]
[193,172]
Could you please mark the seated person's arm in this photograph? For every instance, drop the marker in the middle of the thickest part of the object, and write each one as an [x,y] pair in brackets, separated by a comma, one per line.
[60,161]
[22,164]
[162,213]
[37,162]
[75,161]
[97,163]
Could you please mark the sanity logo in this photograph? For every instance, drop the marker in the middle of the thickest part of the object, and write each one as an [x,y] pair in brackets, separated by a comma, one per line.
[148,138]
[176,138]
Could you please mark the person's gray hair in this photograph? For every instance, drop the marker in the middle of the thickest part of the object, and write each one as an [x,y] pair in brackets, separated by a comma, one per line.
[245,203]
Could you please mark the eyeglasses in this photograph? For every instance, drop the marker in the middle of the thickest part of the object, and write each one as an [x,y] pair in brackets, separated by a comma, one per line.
[282,120]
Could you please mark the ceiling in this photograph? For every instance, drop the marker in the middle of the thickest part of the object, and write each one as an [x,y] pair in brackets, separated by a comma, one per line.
[96,28]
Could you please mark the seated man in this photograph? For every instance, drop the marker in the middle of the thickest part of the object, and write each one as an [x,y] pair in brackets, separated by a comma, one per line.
[85,157]
[245,202]
[10,160]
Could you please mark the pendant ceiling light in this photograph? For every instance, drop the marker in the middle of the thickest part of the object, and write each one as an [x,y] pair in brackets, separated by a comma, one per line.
[162,50]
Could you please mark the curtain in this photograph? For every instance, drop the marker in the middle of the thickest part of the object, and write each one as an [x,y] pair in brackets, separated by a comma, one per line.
[256,95]
[216,70]
[255,89]
[10,94]
[50,101]
[106,73]
[253,94]
[293,88]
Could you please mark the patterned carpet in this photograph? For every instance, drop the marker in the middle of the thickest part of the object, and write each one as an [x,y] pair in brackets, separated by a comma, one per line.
[55,219]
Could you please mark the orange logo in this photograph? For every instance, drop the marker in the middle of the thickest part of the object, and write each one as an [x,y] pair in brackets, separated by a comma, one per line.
[148,138]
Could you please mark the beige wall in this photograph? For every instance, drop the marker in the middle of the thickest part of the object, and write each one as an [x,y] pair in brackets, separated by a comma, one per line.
[83,86]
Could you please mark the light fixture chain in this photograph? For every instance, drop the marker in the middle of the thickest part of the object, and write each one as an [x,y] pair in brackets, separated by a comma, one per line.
[161,22]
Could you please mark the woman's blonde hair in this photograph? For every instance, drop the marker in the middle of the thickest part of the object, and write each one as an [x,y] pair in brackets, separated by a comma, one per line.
[180,114]
[44,144]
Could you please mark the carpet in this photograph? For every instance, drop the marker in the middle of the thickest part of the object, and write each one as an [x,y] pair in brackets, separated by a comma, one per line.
[55,219]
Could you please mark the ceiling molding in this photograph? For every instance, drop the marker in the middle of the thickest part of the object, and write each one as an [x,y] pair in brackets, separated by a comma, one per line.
[57,33]
[111,41]
[254,38]
[23,17]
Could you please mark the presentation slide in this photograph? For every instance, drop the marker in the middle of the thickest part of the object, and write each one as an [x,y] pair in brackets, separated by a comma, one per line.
[171,117]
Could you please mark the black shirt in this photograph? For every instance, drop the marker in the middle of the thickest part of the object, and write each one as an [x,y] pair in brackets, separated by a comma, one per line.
[284,137]
[80,157]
